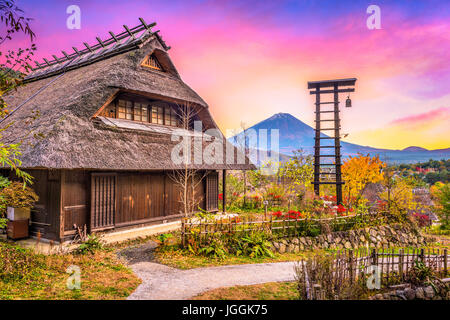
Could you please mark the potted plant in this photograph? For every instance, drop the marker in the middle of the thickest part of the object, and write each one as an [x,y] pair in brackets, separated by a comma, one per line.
[18,199]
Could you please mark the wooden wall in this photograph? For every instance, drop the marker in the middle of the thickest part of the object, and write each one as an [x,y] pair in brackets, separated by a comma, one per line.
[140,197]
[66,199]
[45,216]
[75,199]
[146,197]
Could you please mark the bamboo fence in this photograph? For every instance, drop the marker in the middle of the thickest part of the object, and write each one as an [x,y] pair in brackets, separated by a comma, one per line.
[202,229]
[394,266]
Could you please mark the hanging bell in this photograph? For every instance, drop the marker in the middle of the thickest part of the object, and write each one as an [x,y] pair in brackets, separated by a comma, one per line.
[348,102]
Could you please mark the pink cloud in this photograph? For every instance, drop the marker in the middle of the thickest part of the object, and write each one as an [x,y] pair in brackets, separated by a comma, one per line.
[441,115]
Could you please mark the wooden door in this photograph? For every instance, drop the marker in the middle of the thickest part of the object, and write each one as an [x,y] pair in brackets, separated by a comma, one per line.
[103,200]
[140,198]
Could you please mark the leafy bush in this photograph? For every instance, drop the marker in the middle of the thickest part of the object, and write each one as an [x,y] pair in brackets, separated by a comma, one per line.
[19,196]
[164,237]
[4,182]
[92,244]
[420,274]
[255,245]
[440,230]
[215,248]
[443,195]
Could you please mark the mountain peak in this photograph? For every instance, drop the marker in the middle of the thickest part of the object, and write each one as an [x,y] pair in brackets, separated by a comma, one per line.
[281,115]
[294,134]
[414,148]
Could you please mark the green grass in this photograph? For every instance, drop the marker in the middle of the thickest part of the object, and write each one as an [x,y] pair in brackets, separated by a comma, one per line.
[103,276]
[175,257]
[438,230]
[265,291]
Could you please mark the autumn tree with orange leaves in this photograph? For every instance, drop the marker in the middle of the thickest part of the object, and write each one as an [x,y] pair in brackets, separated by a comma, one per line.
[357,173]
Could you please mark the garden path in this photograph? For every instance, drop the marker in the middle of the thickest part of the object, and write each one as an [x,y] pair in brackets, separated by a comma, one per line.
[160,282]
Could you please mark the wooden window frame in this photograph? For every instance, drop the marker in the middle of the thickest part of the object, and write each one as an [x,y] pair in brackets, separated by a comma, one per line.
[166,115]
[151,57]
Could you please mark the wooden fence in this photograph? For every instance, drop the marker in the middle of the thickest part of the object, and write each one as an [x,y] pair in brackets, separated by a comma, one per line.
[202,229]
[392,265]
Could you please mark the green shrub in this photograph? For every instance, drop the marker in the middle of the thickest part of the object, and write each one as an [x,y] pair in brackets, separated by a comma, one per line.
[420,274]
[254,245]
[164,237]
[215,249]
[92,244]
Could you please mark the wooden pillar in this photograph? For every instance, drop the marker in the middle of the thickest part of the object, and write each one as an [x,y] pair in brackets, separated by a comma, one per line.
[224,191]
[317,146]
[337,146]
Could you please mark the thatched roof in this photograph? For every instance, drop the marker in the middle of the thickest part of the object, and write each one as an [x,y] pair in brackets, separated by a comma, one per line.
[67,100]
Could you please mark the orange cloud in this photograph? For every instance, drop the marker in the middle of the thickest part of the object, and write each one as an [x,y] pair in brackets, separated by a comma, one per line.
[429,130]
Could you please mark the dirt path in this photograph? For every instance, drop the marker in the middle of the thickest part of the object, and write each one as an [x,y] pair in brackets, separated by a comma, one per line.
[162,282]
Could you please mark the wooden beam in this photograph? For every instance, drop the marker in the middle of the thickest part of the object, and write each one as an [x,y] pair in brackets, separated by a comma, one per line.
[87,46]
[129,31]
[331,83]
[76,51]
[113,36]
[332,91]
[108,101]
[65,54]
[100,41]
[147,26]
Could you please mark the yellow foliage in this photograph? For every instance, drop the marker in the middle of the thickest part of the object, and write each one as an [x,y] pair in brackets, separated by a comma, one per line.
[400,198]
[359,171]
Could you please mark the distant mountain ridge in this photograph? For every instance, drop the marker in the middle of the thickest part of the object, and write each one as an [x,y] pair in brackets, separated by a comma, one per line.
[295,134]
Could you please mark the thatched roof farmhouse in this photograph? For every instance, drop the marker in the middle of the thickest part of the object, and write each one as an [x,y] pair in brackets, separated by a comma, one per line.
[100,147]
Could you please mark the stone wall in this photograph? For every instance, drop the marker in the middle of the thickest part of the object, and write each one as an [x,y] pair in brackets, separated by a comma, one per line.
[381,236]
[439,291]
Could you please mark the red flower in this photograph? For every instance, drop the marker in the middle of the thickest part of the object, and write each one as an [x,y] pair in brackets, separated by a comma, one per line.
[220,196]
[277,214]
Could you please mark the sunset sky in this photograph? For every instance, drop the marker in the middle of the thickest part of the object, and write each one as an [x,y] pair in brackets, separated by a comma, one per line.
[251,59]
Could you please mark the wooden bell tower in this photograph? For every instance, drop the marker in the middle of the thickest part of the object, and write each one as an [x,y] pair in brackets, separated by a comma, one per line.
[327,172]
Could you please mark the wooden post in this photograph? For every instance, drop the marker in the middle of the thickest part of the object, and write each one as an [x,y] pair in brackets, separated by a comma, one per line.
[374,256]
[224,191]
[337,146]
[183,233]
[445,262]
[400,266]
[317,147]
[350,262]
